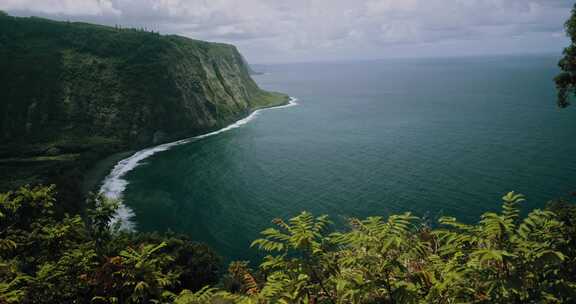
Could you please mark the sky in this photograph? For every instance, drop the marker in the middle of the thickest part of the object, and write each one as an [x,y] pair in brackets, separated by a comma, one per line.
[277,31]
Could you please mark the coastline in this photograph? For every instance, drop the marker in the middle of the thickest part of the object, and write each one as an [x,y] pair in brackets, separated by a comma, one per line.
[118,165]
[95,176]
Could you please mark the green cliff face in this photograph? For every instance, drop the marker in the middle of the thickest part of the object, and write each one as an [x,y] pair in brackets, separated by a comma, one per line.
[73,93]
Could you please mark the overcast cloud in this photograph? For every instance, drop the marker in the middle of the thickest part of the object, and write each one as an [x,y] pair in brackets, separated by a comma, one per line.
[313,30]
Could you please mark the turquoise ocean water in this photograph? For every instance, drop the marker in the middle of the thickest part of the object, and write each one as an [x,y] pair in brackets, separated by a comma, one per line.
[431,136]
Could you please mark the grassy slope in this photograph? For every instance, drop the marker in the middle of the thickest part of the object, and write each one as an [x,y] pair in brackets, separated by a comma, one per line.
[72,94]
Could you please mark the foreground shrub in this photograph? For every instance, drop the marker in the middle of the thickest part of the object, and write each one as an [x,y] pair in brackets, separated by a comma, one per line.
[49,258]
[504,258]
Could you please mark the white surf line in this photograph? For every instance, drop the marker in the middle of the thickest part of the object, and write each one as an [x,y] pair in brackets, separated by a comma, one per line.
[114,184]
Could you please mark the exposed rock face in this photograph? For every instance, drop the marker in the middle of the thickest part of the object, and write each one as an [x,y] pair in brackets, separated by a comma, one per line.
[78,88]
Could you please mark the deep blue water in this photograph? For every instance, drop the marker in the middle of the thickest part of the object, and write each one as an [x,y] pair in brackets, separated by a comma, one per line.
[431,136]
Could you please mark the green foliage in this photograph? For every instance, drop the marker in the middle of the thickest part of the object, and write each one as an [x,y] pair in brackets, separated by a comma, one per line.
[566,80]
[197,263]
[504,258]
[566,213]
[78,93]
[204,295]
[142,273]
[99,218]
[79,81]
[50,258]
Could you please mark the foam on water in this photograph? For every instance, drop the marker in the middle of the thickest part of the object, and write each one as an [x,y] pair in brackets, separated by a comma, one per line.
[114,184]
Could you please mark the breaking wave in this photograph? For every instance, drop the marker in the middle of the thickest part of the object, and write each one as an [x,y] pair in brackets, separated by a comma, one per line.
[114,184]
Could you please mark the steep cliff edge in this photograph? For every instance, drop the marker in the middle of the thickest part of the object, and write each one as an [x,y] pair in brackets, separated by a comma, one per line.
[74,93]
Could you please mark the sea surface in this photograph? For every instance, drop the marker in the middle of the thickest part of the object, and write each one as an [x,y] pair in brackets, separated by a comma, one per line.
[431,136]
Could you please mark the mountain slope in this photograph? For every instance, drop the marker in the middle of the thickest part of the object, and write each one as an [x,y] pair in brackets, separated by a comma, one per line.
[73,93]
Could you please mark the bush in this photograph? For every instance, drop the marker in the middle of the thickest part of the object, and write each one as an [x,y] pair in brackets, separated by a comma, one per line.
[46,257]
[50,258]
[502,259]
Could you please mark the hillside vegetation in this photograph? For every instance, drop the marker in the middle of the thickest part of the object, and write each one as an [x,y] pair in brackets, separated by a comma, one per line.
[73,93]
[504,258]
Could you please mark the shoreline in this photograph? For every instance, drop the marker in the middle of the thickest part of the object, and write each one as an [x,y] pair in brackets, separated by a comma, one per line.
[95,176]
[118,165]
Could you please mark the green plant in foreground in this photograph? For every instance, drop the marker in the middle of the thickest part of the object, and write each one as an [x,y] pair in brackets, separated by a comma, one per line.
[47,257]
[502,259]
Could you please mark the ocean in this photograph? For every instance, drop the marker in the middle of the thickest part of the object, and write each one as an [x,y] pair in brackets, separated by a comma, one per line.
[436,137]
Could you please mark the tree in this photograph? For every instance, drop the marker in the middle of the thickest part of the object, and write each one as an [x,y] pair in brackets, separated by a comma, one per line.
[99,217]
[566,80]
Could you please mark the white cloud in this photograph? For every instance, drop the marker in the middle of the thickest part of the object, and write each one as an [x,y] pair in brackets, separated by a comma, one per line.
[61,7]
[300,28]
[429,20]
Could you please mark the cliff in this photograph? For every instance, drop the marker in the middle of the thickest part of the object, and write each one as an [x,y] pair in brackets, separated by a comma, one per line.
[74,93]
